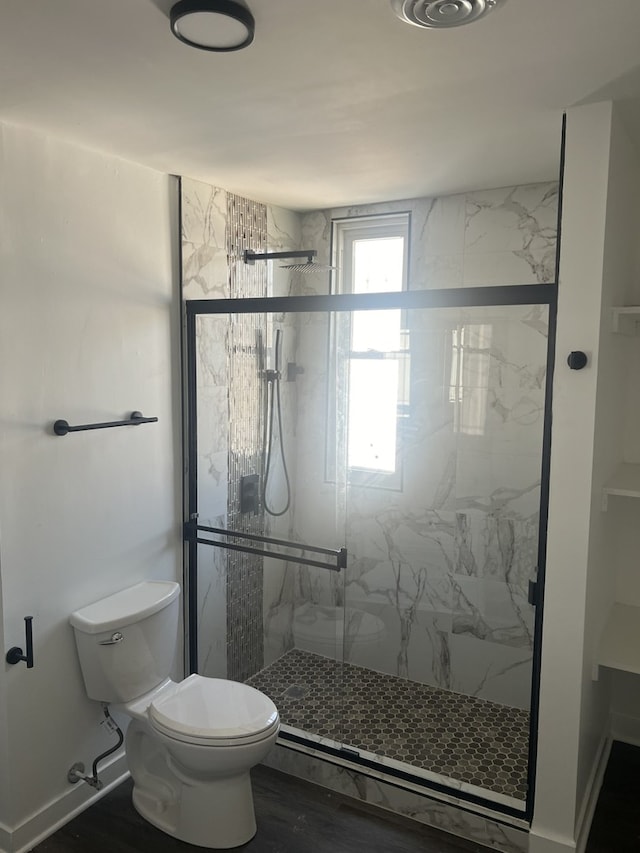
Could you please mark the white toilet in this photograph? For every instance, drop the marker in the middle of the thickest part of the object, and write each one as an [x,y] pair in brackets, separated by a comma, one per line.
[189,745]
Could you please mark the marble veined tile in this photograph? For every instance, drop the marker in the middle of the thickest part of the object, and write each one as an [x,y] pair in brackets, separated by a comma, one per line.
[213,421]
[212,366]
[278,607]
[442,813]
[508,218]
[316,234]
[205,272]
[283,234]
[498,482]
[437,242]
[498,546]
[492,610]
[437,272]
[213,488]
[510,236]
[284,228]
[386,525]
[495,269]
[438,226]
[491,671]
[212,611]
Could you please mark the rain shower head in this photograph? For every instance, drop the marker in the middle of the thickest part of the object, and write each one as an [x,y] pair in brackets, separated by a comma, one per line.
[307,266]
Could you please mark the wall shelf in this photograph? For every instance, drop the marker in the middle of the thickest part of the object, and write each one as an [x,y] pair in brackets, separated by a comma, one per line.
[625,319]
[620,642]
[625,482]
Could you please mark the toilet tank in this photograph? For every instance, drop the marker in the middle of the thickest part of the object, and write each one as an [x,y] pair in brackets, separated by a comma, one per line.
[127,641]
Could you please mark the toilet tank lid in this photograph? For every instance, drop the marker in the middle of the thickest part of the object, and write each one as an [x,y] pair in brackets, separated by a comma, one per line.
[125,607]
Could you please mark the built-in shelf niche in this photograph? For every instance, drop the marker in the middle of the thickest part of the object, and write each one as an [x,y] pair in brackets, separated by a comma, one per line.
[620,641]
[625,319]
[626,480]
[625,483]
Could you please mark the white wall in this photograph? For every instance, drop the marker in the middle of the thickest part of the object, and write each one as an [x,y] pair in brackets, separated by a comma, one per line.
[597,266]
[625,513]
[618,288]
[571,498]
[89,331]
[4,735]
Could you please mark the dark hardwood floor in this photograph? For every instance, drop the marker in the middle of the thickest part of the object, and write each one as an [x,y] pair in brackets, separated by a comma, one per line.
[298,817]
[616,823]
[293,817]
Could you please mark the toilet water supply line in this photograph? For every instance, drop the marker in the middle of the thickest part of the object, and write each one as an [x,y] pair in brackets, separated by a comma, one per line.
[77,774]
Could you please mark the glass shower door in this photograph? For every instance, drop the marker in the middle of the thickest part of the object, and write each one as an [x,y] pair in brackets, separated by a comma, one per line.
[269,532]
[407,429]
[443,541]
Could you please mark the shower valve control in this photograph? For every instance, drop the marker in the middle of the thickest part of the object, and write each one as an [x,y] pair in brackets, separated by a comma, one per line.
[249,493]
[293,371]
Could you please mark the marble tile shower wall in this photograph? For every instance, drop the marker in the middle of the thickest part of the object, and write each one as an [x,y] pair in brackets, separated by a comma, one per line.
[493,237]
[448,815]
[246,230]
[205,275]
[216,229]
[443,564]
[283,234]
[444,568]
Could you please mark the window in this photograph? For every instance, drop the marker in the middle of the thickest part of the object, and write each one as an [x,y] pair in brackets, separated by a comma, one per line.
[371,256]
[469,383]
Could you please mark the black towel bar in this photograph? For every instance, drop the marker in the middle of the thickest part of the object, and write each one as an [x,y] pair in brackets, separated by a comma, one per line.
[62,427]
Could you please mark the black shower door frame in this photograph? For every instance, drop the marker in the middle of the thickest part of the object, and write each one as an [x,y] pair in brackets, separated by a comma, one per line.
[472,297]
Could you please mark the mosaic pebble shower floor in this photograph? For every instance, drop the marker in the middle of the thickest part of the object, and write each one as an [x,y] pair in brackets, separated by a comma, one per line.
[460,737]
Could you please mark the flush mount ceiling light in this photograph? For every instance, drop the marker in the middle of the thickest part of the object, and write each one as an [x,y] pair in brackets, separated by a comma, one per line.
[438,14]
[219,25]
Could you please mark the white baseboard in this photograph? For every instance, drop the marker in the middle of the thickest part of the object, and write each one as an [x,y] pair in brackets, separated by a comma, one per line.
[625,728]
[539,843]
[590,800]
[61,809]
[543,842]
[5,837]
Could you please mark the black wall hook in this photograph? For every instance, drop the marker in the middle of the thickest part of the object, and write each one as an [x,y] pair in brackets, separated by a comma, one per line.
[577,360]
[14,655]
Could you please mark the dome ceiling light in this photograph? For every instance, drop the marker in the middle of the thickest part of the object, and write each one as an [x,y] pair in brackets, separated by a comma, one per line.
[218,25]
[439,14]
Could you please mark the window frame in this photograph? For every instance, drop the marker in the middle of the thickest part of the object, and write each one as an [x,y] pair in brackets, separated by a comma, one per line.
[345,233]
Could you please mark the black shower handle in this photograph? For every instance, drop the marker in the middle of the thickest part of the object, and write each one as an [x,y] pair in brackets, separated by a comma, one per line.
[14,655]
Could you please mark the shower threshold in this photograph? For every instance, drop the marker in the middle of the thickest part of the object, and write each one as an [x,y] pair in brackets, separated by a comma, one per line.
[443,739]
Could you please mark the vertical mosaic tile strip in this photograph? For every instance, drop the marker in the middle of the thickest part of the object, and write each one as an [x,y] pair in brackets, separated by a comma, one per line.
[460,737]
[246,229]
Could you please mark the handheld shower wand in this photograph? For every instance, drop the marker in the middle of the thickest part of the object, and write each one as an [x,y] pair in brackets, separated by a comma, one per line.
[274,407]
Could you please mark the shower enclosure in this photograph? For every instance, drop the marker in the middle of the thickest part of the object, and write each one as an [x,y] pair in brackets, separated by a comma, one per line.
[367,505]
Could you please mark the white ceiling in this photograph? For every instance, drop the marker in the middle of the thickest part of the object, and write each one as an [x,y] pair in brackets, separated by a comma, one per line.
[336,101]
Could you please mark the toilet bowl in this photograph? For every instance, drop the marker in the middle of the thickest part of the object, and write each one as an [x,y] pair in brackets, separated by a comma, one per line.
[190,745]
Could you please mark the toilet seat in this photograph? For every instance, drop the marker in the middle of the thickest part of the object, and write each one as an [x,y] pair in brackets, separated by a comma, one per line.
[214,712]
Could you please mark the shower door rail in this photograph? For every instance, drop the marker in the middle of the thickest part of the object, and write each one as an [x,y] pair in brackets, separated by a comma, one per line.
[339,554]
